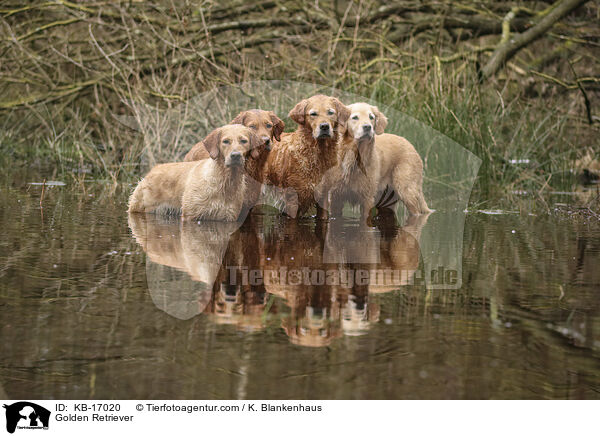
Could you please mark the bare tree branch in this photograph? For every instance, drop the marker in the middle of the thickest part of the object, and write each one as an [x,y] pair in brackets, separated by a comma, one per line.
[506,50]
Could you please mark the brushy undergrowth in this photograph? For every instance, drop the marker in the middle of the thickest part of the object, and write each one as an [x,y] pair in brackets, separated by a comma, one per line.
[528,129]
[526,148]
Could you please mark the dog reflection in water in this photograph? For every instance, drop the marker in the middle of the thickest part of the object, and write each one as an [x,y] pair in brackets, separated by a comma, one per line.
[318,316]
[238,305]
[320,310]
[203,251]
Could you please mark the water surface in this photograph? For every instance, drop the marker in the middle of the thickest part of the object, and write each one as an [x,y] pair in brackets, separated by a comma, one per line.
[98,305]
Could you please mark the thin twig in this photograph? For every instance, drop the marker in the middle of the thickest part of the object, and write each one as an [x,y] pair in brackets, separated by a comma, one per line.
[43,191]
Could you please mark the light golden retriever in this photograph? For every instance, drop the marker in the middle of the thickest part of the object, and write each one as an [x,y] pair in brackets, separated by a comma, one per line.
[302,157]
[355,179]
[373,166]
[211,189]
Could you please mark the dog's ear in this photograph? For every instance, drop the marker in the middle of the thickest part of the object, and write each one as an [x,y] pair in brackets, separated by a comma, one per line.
[255,144]
[298,113]
[211,143]
[278,126]
[343,113]
[380,120]
[240,118]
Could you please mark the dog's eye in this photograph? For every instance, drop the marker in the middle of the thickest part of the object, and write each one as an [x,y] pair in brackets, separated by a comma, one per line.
[313,113]
[244,141]
[355,117]
[330,112]
[226,141]
[269,125]
[253,126]
[371,116]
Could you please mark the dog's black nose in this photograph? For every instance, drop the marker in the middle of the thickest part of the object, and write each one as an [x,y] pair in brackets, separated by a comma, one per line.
[324,126]
[367,127]
[267,143]
[235,156]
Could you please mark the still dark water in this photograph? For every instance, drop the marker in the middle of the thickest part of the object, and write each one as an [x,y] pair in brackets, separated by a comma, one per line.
[98,306]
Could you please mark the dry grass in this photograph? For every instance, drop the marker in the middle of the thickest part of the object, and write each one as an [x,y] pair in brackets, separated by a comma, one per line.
[76,77]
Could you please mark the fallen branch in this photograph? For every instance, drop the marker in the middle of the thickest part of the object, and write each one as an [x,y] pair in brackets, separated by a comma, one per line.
[47,97]
[506,50]
[478,25]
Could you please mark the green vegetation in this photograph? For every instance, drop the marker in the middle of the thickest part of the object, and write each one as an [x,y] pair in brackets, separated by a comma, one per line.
[69,71]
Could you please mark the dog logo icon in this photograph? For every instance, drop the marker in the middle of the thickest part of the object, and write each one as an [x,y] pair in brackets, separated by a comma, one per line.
[26,415]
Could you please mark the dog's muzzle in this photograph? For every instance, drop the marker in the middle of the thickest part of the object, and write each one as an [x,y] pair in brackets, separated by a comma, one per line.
[324,131]
[267,141]
[366,133]
[235,159]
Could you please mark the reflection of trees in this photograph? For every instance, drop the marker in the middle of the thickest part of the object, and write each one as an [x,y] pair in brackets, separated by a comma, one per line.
[538,269]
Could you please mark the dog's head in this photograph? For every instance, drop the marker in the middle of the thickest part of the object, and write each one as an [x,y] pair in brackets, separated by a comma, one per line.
[265,124]
[322,114]
[232,143]
[365,121]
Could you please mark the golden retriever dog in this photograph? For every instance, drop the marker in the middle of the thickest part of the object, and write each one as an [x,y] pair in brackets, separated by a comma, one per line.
[269,128]
[373,165]
[301,159]
[355,179]
[211,189]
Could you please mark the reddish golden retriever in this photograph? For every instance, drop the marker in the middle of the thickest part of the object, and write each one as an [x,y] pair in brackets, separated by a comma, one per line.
[302,157]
